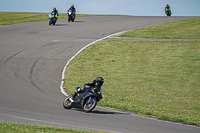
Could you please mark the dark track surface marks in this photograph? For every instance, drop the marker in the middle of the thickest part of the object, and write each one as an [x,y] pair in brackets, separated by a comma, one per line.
[32,58]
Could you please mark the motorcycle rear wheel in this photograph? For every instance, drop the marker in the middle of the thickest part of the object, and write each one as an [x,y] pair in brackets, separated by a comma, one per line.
[88,105]
[67,104]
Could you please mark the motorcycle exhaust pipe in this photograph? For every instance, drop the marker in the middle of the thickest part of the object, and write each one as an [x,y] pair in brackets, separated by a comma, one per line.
[71,100]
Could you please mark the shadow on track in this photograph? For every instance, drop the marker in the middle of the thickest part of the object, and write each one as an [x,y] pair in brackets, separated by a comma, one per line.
[99,112]
[61,25]
[78,21]
[105,112]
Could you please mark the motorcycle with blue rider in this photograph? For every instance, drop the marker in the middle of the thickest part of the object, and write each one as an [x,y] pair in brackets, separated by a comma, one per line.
[53,16]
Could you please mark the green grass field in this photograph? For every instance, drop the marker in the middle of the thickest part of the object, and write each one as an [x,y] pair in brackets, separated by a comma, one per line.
[155,78]
[159,78]
[9,127]
[185,28]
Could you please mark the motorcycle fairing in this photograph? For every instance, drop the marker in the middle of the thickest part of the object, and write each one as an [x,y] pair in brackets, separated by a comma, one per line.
[79,100]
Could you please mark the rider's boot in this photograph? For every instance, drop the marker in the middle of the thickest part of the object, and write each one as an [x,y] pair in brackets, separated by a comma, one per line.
[74,95]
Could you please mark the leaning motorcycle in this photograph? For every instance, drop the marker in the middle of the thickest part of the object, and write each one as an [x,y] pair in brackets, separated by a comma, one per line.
[86,100]
[168,12]
[52,19]
[71,16]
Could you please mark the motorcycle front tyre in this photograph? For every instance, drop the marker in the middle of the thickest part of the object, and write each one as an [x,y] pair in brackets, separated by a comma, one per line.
[67,104]
[69,19]
[89,106]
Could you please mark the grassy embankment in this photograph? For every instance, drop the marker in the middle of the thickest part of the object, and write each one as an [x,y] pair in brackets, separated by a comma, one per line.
[181,29]
[155,78]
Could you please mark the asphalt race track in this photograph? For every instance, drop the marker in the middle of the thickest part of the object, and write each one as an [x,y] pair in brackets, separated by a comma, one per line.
[32,58]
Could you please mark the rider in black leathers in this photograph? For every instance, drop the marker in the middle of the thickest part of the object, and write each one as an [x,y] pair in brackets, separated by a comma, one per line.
[73,10]
[91,85]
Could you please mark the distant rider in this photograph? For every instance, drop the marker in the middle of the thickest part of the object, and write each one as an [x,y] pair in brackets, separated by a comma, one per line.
[73,10]
[55,12]
[94,84]
[167,8]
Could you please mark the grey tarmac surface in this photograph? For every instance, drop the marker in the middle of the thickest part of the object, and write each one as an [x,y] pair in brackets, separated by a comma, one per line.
[32,58]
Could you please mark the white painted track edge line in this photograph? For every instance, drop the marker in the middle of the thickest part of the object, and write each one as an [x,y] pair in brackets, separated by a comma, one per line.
[63,73]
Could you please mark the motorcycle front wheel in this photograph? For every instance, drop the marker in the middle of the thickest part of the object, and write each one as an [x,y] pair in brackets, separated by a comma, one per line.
[69,18]
[89,104]
[67,104]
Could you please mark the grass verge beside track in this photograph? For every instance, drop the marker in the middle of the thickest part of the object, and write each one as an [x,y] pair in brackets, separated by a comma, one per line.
[179,29]
[9,127]
[155,78]
[159,78]
[7,18]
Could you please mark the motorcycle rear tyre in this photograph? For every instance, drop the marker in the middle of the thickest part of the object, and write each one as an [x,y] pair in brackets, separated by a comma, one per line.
[90,107]
[67,104]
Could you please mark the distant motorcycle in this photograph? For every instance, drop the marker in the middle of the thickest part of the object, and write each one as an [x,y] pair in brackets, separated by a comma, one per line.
[52,19]
[71,16]
[168,12]
[86,100]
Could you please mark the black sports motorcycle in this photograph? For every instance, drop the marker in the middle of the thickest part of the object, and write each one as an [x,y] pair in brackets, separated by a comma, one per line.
[86,100]
[71,16]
